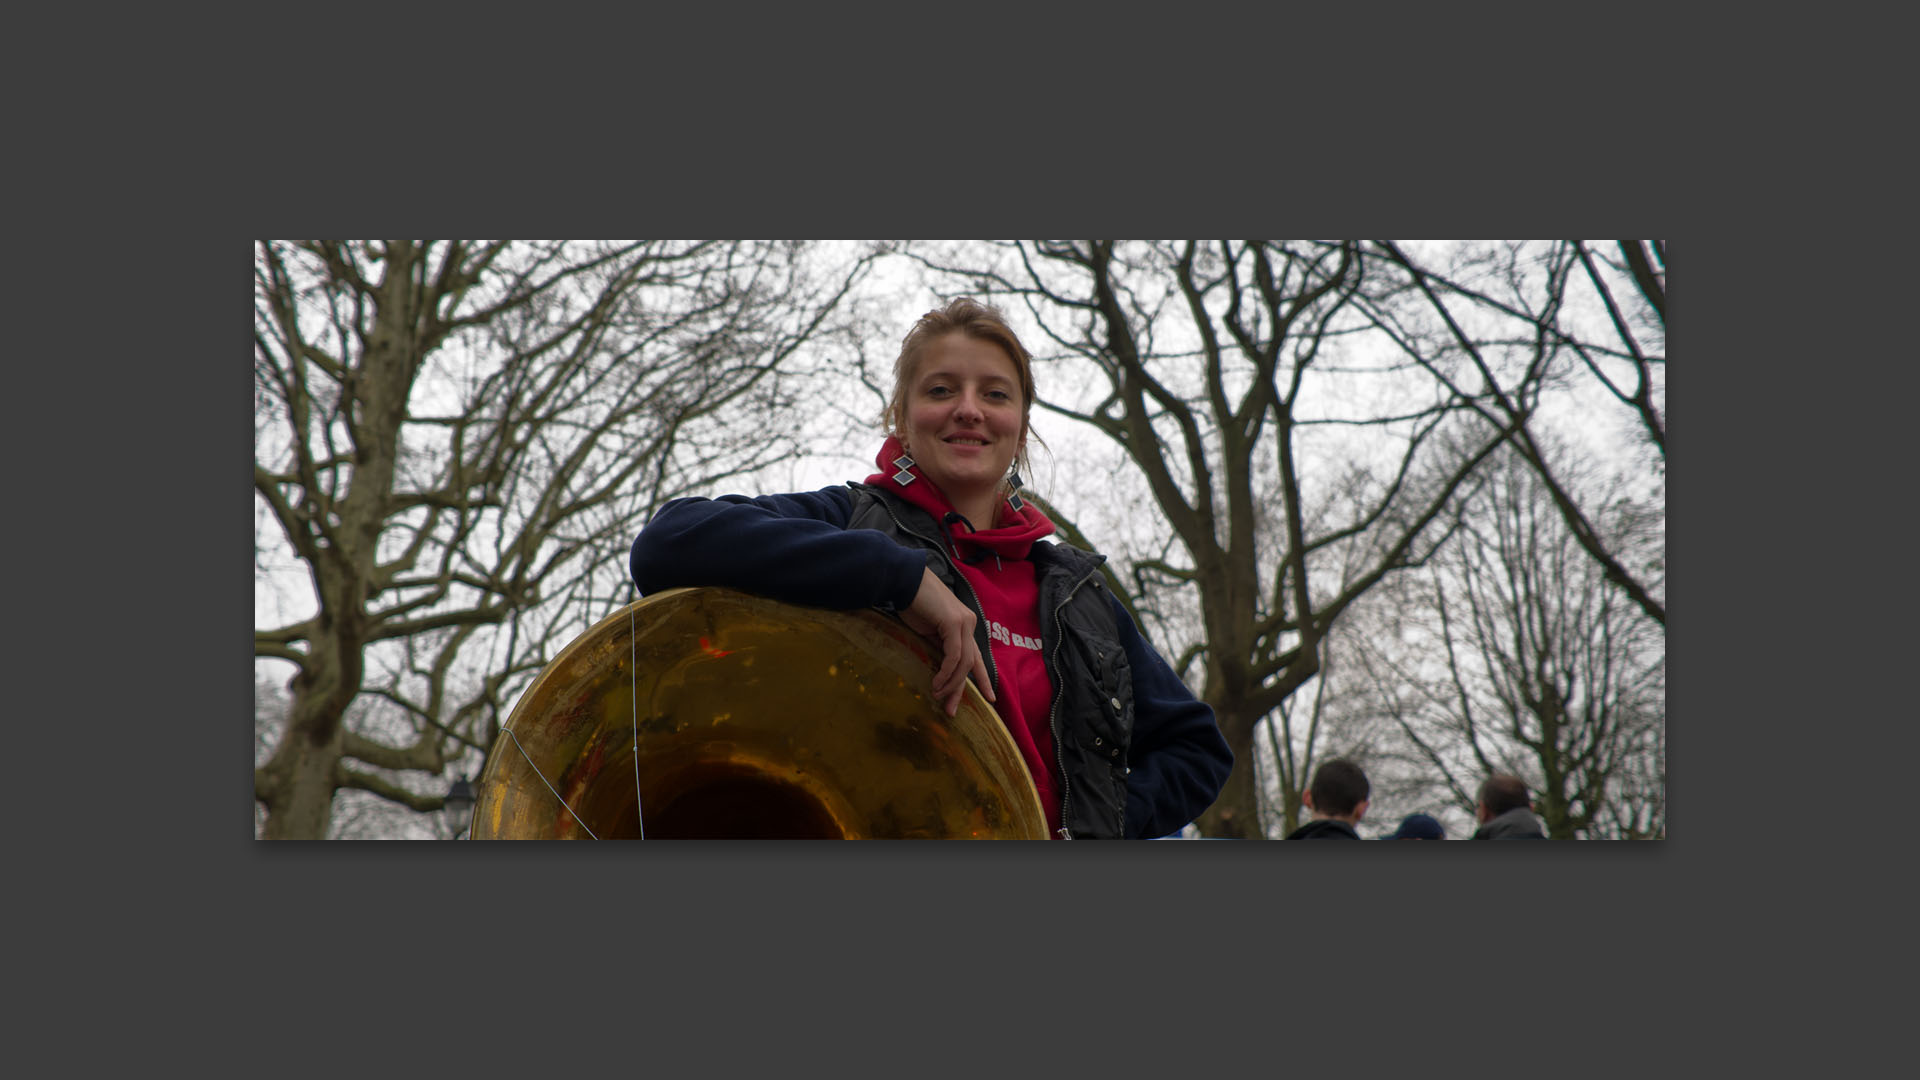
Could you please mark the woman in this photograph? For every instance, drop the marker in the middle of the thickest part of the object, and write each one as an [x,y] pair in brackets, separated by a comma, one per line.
[1116,744]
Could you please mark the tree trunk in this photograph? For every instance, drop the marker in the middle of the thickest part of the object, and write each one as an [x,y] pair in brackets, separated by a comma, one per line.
[302,779]
[1235,813]
[1290,800]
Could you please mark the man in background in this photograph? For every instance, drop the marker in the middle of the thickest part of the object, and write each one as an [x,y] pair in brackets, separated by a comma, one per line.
[1338,799]
[1504,811]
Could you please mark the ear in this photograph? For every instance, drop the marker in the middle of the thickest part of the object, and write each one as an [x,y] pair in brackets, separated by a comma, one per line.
[1306,799]
[1360,810]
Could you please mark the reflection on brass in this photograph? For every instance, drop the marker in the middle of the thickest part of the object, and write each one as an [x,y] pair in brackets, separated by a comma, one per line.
[756,719]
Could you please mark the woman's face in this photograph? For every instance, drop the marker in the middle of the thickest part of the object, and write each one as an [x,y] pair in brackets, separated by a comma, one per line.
[964,415]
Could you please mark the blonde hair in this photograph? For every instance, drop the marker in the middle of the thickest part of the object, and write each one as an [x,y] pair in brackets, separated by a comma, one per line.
[976,320]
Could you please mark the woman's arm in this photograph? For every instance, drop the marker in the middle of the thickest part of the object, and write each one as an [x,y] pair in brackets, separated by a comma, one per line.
[1178,759]
[792,548]
[798,550]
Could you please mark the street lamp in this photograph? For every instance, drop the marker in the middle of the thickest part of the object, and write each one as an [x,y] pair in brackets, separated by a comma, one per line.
[459,807]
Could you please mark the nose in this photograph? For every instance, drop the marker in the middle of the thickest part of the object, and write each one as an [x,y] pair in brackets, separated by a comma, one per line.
[967,407]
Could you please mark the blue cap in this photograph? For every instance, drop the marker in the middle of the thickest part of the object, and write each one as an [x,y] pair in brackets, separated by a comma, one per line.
[1417,827]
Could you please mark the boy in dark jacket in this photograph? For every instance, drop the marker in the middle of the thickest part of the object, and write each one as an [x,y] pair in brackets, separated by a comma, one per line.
[1338,799]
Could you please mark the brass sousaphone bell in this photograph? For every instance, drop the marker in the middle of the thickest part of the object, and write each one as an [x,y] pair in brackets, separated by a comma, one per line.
[751,718]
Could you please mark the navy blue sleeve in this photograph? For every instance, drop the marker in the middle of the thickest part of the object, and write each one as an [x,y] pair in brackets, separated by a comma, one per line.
[1178,759]
[793,548]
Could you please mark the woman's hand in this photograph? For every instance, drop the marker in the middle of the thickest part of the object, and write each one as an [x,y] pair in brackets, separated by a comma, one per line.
[940,615]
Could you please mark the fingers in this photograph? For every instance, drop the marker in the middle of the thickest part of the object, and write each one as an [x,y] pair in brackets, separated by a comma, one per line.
[980,676]
[971,665]
[939,613]
[950,681]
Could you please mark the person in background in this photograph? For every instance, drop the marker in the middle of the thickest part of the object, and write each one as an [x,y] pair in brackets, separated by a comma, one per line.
[1338,799]
[1418,827]
[1116,744]
[1504,811]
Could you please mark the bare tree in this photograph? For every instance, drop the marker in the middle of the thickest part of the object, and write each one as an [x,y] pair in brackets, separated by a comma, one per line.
[1294,462]
[1331,722]
[1526,307]
[457,440]
[1517,656]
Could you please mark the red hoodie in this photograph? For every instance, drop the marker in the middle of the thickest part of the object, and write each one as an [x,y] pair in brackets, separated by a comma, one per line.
[994,562]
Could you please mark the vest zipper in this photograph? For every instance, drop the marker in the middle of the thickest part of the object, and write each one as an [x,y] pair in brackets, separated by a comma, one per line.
[1053,714]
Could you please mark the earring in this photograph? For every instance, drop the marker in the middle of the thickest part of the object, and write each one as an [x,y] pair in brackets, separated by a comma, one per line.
[903,477]
[1013,490]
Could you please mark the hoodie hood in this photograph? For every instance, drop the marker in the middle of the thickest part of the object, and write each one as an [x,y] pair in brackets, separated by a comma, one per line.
[1013,538]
